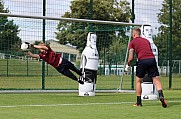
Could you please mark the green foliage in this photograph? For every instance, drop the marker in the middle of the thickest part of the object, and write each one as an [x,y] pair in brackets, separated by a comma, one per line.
[164,19]
[9,41]
[76,33]
[116,52]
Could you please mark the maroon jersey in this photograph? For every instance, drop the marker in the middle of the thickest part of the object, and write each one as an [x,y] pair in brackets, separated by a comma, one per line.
[50,57]
[142,48]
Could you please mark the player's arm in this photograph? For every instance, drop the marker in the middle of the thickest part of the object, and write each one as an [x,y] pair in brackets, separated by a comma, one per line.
[33,55]
[44,47]
[41,47]
[131,56]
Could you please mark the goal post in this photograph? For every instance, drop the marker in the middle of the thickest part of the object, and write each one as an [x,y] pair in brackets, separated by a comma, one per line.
[68,37]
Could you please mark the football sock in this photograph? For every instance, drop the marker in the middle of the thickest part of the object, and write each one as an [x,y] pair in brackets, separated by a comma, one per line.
[160,92]
[138,99]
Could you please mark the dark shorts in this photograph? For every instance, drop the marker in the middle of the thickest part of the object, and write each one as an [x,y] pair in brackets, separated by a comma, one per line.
[147,66]
[65,65]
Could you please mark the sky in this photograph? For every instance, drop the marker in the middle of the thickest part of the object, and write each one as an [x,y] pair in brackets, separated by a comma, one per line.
[146,12]
[31,30]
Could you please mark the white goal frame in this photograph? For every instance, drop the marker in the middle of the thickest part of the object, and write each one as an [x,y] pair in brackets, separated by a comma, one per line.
[74,20]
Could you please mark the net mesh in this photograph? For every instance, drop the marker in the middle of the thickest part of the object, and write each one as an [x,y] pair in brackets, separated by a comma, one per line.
[18,71]
[69,39]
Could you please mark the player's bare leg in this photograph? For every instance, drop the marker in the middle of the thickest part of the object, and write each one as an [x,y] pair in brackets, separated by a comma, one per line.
[138,91]
[158,84]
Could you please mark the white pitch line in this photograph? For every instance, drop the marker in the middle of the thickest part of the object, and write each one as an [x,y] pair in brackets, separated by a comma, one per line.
[81,104]
[55,105]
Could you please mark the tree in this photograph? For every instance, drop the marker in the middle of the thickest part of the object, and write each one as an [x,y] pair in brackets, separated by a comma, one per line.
[9,41]
[163,36]
[108,10]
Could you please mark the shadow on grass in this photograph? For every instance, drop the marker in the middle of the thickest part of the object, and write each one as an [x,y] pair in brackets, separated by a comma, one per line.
[174,99]
[171,102]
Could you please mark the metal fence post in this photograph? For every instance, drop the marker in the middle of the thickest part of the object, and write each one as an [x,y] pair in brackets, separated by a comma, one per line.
[7,73]
[91,14]
[132,79]
[132,74]
[132,14]
[170,57]
[27,67]
[43,63]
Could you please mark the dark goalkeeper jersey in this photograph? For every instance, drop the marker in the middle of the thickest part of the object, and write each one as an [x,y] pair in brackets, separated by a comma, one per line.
[50,57]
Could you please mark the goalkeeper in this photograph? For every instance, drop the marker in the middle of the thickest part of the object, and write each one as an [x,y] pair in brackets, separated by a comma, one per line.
[146,63]
[62,65]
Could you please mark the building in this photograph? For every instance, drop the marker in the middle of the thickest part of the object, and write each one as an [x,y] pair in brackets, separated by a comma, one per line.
[67,51]
[112,69]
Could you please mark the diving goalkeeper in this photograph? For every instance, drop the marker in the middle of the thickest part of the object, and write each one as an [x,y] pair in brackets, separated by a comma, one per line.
[62,65]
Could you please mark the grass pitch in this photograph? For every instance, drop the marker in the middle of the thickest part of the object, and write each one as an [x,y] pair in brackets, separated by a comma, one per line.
[69,105]
[101,106]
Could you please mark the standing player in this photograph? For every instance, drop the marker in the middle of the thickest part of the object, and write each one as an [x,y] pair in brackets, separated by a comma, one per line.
[62,65]
[146,64]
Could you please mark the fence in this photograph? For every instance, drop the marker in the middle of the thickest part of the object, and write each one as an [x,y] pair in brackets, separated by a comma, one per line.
[69,38]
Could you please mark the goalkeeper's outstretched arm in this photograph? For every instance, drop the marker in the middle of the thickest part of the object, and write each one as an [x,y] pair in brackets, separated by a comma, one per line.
[40,46]
[33,55]
[44,47]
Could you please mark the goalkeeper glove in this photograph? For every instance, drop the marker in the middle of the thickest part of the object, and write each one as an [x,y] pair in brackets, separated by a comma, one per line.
[29,45]
[127,68]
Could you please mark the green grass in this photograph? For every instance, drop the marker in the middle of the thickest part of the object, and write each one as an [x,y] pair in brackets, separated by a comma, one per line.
[15,67]
[62,82]
[101,106]
[58,82]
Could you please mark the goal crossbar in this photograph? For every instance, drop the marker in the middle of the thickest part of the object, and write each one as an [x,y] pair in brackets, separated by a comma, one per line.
[80,20]
[69,19]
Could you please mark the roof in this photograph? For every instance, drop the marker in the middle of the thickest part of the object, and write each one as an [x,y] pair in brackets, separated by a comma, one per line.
[57,47]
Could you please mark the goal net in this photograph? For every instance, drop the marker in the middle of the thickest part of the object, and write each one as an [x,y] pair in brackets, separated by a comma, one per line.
[67,36]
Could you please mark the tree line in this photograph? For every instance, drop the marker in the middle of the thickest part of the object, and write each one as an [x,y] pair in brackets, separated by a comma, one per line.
[9,39]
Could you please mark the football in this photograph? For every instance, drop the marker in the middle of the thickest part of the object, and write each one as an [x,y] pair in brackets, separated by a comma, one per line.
[24,47]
